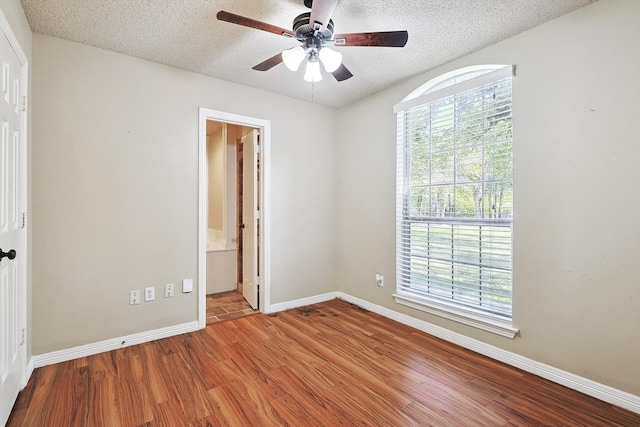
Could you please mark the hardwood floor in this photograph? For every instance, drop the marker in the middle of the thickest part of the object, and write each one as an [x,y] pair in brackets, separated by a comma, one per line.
[227,305]
[330,364]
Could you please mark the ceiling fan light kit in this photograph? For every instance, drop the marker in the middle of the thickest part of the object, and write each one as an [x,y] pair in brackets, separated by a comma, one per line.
[293,57]
[313,74]
[330,59]
[314,30]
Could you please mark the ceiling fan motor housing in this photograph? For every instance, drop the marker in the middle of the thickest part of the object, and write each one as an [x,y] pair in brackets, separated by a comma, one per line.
[303,29]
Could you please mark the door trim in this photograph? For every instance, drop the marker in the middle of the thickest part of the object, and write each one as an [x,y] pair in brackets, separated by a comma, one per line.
[24,273]
[265,203]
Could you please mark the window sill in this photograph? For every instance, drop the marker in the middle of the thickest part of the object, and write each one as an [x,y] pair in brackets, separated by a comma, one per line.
[469,318]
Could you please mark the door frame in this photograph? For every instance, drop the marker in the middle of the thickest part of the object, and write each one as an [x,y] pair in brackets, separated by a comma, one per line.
[26,366]
[265,203]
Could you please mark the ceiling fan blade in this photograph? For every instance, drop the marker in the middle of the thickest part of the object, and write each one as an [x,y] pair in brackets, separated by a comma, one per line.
[252,23]
[269,63]
[342,73]
[383,38]
[321,13]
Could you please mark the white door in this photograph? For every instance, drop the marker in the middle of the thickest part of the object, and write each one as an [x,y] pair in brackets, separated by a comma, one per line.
[249,218]
[12,231]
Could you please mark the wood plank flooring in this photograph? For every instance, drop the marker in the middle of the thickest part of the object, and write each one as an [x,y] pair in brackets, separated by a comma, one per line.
[330,364]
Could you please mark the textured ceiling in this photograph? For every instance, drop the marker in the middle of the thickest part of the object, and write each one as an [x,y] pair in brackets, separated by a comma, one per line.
[186,34]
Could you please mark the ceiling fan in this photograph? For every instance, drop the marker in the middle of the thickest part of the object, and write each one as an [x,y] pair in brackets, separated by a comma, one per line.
[314,30]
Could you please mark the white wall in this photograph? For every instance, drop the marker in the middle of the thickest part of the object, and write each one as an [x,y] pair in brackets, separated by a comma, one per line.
[231,208]
[216,171]
[115,190]
[577,210]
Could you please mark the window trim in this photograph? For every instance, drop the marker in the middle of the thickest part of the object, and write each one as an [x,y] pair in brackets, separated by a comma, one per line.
[458,314]
[423,98]
[436,306]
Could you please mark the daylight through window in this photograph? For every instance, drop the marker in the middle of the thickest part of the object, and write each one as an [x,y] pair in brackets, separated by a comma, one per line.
[455,195]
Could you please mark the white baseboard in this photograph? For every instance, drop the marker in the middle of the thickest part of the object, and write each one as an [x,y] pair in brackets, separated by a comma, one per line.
[111,344]
[282,306]
[589,387]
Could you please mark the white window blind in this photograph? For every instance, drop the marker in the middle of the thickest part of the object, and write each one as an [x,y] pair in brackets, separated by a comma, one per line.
[455,195]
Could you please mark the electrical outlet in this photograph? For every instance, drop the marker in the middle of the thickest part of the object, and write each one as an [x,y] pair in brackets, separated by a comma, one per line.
[168,290]
[149,293]
[379,279]
[134,297]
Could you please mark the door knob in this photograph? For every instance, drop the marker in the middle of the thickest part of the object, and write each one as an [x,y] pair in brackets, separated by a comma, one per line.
[11,254]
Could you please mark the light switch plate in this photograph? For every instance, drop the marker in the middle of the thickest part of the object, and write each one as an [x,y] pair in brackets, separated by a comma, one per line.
[187,286]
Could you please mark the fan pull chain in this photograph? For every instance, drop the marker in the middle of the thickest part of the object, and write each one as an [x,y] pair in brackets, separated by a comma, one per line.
[312,91]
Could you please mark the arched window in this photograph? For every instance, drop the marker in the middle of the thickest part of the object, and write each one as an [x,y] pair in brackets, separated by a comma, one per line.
[455,197]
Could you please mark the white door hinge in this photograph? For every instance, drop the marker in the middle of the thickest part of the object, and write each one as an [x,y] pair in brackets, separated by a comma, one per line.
[24,220]
[24,336]
[24,103]
[257,149]
[258,214]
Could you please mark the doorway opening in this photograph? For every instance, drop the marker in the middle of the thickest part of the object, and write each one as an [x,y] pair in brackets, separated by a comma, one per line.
[233,216]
